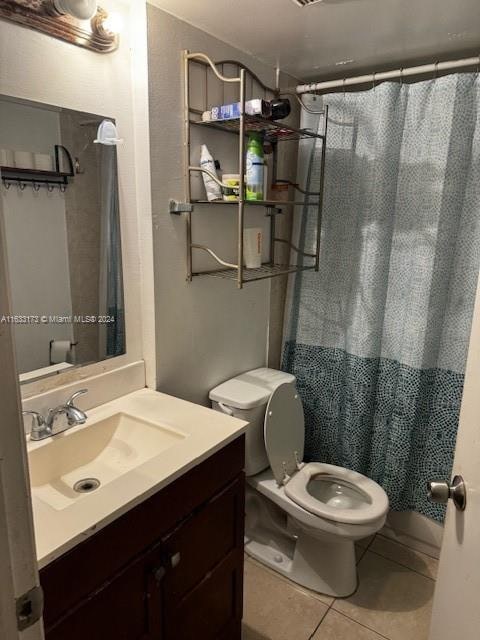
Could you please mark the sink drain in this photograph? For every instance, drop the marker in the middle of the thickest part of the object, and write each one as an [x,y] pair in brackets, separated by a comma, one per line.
[86,485]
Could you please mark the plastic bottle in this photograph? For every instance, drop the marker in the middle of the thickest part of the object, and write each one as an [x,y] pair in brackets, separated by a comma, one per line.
[213,189]
[255,167]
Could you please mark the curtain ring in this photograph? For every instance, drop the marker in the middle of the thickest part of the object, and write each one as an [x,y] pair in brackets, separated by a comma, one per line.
[63,188]
[22,185]
[50,187]
[36,187]
[6,184]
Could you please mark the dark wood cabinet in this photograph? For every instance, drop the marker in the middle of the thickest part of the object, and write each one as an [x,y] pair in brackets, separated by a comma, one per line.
[169,569]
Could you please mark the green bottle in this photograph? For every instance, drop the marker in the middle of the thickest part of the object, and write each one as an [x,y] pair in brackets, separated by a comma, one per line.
[255,167]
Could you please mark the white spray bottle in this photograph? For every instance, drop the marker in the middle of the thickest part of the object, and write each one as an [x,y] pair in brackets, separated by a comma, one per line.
[213,189]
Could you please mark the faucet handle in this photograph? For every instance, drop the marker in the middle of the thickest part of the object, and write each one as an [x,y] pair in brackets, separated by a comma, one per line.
[75,395]
[38,420]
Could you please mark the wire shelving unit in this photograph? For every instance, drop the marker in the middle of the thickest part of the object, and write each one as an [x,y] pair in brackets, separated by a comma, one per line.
[273,132]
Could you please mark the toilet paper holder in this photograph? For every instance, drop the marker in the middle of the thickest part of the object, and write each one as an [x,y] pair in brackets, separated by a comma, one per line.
[67,352]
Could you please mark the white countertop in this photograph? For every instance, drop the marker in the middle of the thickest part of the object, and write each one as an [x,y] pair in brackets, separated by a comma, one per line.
[206,431]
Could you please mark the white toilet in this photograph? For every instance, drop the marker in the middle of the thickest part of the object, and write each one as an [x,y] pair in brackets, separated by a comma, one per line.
[302,519]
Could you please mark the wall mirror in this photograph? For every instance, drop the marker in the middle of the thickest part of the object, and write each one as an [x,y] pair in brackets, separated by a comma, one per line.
[60,203]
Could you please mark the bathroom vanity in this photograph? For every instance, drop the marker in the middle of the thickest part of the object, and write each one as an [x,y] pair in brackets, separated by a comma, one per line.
[167,564]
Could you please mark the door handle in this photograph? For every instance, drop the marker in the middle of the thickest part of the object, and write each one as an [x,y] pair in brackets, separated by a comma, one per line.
[441,492]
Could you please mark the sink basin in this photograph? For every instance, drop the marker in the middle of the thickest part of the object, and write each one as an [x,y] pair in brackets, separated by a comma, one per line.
[76,463]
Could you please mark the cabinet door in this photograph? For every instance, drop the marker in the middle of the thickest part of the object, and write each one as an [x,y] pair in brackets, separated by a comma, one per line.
[202,589]
[213,609]
[126,608]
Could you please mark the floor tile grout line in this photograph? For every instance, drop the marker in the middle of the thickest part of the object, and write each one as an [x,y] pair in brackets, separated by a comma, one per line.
[403,544]
[330,606]
[361,624]
[304,591]
[400,564]
[322,619]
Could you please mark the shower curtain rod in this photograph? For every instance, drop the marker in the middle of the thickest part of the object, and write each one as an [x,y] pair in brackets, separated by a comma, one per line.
[436,67]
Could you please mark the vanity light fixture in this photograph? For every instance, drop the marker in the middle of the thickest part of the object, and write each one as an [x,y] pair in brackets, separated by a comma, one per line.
[79,22]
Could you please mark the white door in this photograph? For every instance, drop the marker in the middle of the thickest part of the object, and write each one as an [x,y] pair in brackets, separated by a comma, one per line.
[456,609]
[18,565]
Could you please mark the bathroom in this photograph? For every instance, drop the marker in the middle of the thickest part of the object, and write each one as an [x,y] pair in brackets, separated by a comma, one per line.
[165,361]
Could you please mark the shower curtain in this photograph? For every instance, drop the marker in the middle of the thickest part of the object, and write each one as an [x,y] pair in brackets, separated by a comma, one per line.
[378,338]
[112,334]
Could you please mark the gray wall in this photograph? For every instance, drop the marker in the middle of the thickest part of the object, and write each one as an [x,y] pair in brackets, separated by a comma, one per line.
[207,330]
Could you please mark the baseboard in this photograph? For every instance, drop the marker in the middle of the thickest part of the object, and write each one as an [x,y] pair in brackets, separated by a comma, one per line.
[414,531]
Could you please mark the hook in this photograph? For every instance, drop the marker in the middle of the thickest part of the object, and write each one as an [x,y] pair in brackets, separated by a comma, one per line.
[50,187]
[36,187]
[436,70]
[401,77]
[6,184]
[62,187]
[21,185]
[343,84]
[374,75]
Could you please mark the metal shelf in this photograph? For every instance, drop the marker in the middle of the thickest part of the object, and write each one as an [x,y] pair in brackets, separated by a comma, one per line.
[268,204]
[36,177]
[251,275]
[273,131]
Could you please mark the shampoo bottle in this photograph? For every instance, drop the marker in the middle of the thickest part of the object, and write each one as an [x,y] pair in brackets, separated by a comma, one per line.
[213,189]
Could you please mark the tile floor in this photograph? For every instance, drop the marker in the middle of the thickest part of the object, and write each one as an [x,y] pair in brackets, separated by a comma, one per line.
[393,600]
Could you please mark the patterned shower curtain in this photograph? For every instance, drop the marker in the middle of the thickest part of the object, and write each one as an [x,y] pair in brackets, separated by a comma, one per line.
[112,334]
[378,338]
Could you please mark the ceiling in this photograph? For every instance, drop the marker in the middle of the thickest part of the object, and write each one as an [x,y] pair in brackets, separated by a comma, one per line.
[336,38]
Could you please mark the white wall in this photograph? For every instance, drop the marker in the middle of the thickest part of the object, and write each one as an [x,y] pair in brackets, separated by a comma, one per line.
[36,67]
[36,234]
[206,330]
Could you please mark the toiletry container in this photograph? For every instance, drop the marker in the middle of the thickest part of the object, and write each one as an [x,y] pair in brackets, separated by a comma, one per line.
[212,188]
[255,167]
[231,191]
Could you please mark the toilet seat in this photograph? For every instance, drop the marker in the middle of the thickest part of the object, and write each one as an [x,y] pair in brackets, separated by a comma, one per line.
[368,500]
[330,492]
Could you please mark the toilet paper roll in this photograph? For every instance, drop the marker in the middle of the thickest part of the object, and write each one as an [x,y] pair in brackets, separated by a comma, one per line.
[60,351]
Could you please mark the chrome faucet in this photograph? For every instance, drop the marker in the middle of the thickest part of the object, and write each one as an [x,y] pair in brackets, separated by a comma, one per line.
[43,427]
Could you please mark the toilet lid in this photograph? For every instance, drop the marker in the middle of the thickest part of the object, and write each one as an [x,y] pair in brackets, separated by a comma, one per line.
[284,431]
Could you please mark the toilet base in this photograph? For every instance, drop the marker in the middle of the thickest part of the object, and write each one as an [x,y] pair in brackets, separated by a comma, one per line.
[325,568]
[321,564]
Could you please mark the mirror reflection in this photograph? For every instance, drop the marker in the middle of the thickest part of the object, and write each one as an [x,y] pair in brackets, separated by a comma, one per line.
[59,196]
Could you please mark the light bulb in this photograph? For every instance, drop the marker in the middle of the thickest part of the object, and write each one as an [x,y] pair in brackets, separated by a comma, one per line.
[80,9]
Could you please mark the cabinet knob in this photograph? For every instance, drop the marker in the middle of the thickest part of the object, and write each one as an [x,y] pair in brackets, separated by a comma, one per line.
[175,559]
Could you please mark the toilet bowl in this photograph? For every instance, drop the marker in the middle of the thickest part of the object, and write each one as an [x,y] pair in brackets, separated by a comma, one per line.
[302,519]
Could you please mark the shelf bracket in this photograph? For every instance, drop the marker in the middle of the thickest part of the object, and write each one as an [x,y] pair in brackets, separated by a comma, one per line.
[177,208]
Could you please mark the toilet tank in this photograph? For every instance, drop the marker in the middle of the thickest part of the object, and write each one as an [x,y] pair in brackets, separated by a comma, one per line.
[246,397]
